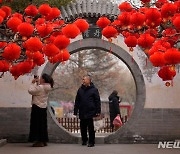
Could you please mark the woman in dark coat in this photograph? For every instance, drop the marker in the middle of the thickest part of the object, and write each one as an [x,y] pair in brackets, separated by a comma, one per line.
[114,110]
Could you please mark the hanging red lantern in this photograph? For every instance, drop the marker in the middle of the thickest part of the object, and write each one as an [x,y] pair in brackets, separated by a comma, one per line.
[124,18]
[131,41]
[39,21]
[61,41]
[157,59]
[166,73]
[103,22]
[109,31]
[55,13]
[18,15]
[4,66]
[63,55]
[25,67]
[31,10]
[176,22]
[168,10]
[2,13]
[145,41]
[125,7]
[38,58]
[7,10]
[137,19]
[11,52]
[33,44]
[3,44]
[71,31]
[44,30]
[153,17]
[82,24]
[25,29]
[172,56]
[50,50]
[13,23]
[14,70]
[44,9]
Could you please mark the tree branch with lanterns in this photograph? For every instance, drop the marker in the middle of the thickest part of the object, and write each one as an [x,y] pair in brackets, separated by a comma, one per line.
[155,27]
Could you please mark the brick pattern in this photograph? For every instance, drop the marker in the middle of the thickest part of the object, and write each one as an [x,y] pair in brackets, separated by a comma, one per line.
[152,126]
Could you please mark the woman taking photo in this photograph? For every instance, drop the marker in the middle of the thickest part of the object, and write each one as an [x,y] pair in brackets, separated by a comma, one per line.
[39,89]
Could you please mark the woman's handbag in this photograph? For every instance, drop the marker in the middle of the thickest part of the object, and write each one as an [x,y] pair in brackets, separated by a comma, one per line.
[117,121]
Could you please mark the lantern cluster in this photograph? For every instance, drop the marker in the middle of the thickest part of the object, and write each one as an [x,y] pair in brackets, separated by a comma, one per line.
[34,37]
[155,27]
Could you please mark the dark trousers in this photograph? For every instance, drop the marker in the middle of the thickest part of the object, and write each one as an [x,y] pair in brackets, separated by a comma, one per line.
[87,125]
[38,124]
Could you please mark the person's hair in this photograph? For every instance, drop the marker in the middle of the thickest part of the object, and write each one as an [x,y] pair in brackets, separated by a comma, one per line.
[88,76]
[114,92]
[48,79]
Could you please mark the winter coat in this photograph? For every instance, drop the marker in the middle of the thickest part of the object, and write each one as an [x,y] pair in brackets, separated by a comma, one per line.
[114,105]
[39,94]
[87,102]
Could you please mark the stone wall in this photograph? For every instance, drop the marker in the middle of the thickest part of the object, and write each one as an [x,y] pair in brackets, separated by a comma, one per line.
[153,125]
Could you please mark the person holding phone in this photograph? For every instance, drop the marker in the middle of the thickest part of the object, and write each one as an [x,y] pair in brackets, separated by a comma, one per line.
[39,89]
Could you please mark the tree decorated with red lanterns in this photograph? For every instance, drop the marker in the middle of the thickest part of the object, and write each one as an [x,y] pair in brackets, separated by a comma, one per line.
[154,26]
[29,39]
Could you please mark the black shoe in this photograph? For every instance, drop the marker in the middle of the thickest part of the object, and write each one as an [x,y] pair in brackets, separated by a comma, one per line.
[90,145]
[84,143]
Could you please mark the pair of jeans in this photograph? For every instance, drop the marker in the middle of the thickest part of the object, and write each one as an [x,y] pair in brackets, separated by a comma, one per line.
[87,125]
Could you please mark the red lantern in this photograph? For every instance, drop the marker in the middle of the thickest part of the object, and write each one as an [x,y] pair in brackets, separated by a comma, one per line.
[14,70]
[61,41]
[50,50]
[157,59]
[31,10]
[25,29]
[137,19]
[44,30]
[109,32]
[44,9]
[3,44]
[82,24]
[125,7]
[153,17]
[71,31]
[145,41]
[13,23]
[12,52]
[39,21]
[25,67]
[33,44]
[4,66]
[168,10]
[124,18]
[63,55]
[18,15]
[103,22]
[166,73]
[55,13]
[176,22]
[172,56]
[131,41]
[7,10]
[38,58]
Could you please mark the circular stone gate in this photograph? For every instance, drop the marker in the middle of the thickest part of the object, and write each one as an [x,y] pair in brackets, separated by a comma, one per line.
[63,135]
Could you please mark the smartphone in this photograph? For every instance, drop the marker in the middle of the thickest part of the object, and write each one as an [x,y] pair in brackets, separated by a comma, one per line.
[35,77]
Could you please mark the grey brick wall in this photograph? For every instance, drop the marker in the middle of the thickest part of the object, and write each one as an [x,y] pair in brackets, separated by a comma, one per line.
[152,126]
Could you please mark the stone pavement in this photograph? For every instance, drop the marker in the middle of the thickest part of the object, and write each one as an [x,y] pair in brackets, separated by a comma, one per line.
[25,148]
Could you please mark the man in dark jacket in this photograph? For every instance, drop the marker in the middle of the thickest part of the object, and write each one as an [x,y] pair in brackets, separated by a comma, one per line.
[114,110]
[88,105]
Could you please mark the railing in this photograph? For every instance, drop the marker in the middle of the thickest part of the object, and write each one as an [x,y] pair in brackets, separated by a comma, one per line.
[73,125]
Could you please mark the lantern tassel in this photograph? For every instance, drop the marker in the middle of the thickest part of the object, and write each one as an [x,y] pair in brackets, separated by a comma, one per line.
[146,62]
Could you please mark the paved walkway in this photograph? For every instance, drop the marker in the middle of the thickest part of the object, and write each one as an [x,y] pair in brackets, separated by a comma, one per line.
[25,148]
